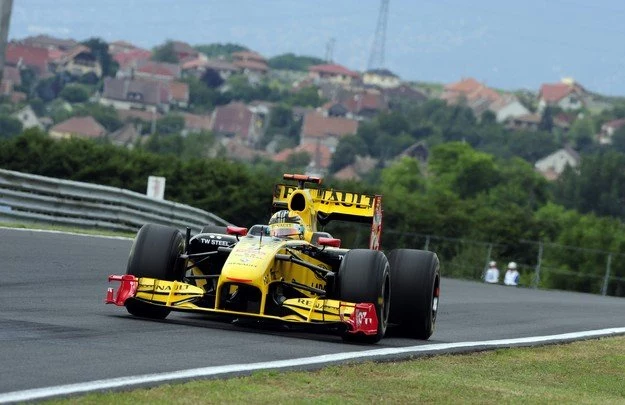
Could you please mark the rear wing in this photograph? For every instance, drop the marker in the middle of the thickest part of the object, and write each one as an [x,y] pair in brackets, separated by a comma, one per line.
[334,205]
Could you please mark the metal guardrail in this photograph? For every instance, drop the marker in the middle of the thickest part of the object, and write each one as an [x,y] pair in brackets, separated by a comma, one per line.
[32,198]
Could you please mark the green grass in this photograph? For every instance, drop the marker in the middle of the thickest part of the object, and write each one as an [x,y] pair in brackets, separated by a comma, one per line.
[588,372]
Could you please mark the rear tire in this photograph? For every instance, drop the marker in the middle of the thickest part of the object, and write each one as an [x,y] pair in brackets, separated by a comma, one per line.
[155,254]
[364,276]
[415,282]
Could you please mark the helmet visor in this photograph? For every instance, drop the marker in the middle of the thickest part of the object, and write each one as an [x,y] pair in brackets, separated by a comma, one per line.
[284,230]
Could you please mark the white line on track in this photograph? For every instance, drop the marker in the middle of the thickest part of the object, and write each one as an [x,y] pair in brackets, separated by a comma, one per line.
[67,233]
[99,385]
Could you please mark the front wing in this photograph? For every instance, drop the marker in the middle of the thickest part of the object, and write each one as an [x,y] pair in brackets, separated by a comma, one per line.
[176,295]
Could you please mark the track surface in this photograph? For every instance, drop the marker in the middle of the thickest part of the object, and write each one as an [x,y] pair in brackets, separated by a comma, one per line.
[55,329]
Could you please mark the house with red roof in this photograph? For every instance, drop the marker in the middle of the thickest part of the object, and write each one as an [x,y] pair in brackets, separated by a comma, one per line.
[120,46]
[183,50]
[196,122]
[319,128]
[179,94]
[78,61]
[130,59]
[27,56]
[149,69]
[567,95]
[252,64]
[236,121]
[332,72]
[49,42]
[320,157]
[81,127]
[198,66]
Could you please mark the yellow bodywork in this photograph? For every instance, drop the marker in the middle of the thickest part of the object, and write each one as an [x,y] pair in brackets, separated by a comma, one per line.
[252,262]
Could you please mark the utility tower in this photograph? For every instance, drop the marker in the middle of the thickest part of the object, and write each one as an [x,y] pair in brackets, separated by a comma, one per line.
[376,58]
[5,18]
[330,50]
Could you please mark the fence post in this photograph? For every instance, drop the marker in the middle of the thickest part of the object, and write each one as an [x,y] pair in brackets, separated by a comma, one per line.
[604,289]
[427,243]
[536,281]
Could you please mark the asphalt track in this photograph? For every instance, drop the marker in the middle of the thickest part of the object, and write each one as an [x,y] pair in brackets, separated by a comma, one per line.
[55,329]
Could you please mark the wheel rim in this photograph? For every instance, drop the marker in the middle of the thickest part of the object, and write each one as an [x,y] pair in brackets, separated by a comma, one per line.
[385,309]
[435,294]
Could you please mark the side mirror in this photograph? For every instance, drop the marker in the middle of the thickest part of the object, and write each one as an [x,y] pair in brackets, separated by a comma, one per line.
[333,242]
[236,230]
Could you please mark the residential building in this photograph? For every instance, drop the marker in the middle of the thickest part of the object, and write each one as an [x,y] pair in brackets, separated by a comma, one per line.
[126,136]
[196,123]
[197,67]
[506,107]
[127,94]
[179,94]
[236,121]
[82,127]
[26,56]
[28,118]
[130,59]
[327,130]
[383,78]
[608,129]
[149,69]
[554,164]
[528,122]
[320,157]
[567,95]
[475,95]
[48,42]
[252,64]
[184,50]
[120,46]
[11,78]
[333,73]
[79,61]
[403,93]
[356,171]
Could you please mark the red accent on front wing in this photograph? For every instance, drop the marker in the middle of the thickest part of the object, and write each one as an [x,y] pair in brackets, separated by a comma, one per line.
[363,320]
[127,289]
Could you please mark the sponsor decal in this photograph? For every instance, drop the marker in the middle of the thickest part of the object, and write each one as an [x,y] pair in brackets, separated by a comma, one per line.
[346,199]
[214,241]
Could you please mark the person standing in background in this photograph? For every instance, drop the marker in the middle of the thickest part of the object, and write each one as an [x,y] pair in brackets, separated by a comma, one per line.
[512,275]
[492,273]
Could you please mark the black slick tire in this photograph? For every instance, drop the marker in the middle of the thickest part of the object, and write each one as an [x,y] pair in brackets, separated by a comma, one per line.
[155,254]
[415,283]
[364,276]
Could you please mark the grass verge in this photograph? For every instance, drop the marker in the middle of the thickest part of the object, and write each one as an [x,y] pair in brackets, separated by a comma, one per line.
[588,372]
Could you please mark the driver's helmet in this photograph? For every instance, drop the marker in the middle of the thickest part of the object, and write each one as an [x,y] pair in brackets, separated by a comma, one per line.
[284,224]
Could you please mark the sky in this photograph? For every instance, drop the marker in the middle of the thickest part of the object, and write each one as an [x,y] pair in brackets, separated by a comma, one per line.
[504,44]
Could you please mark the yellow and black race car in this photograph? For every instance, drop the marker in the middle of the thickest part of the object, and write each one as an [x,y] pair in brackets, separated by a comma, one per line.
[287,271]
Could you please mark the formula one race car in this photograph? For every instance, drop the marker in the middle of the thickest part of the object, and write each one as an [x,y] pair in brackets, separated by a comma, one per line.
[287,271]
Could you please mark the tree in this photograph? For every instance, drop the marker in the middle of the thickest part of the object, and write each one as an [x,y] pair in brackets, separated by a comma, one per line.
[466,171]
[220,50]
[348,147]
[165,53]
[212,79]
[546,120]
[75,93]
[100,49]
[290,61]
[9,126]
[170,124]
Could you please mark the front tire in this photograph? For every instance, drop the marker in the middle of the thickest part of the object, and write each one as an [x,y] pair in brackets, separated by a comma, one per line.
[364,277]
[415,282]
[155,254]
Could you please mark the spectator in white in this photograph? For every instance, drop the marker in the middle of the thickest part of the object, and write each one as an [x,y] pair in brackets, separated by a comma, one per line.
[512,275]
[492,273]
